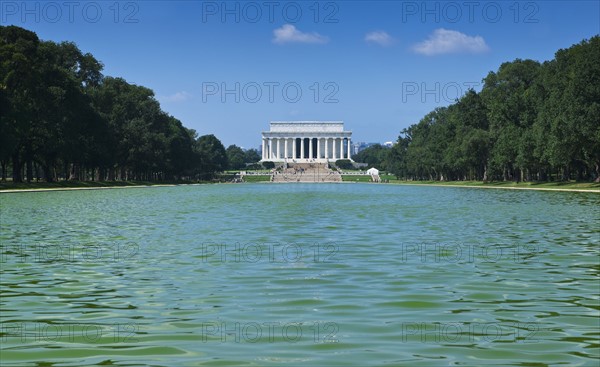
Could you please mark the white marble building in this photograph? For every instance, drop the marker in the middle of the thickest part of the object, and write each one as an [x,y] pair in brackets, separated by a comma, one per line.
[306,141]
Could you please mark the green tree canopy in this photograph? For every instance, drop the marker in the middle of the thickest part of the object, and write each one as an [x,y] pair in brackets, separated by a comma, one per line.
[61,117]
[213,157]
[236,157]
[374,156]
[530,121]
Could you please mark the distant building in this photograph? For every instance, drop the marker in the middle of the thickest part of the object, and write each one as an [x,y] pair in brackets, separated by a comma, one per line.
[358,147]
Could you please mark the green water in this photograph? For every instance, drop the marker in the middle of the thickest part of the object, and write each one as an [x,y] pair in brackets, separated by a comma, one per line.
[300,275]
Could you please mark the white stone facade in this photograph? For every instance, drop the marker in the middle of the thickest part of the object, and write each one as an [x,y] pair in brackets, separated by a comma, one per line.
[306,141]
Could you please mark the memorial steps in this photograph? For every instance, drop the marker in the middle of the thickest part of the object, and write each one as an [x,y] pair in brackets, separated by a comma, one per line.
[306,172]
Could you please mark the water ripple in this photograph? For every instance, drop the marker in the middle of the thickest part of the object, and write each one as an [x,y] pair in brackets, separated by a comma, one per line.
[312,275]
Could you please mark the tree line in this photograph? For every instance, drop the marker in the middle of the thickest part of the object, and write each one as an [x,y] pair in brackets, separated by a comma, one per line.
[531,122]
[61,118]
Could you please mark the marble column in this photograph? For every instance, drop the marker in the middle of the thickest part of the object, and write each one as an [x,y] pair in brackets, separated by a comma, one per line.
[318,148]
[334,157]
[294,148]
[278,148]
[349,153]
[326,148]
[285,142]
[302,148]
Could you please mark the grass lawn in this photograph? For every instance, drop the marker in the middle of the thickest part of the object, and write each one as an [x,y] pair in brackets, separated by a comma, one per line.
[354,178]
[571,185]
[366,178]
[78,184]
[257,178]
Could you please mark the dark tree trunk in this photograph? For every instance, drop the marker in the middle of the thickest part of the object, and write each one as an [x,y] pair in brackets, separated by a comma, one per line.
[66,171]
[29,169]
[48,173]
[485,173]
[74,172]
[36,170]
[16,168]
[3,164]
[580,174]
[566,176]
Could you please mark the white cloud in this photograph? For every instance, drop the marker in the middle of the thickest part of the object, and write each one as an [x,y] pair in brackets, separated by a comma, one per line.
[444,41]
[177,97]
[289,34]
[379,37]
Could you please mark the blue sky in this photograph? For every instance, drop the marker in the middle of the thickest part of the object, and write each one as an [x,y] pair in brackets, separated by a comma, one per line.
[228,68]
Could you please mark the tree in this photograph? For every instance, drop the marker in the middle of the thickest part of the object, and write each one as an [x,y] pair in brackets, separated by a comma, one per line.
[252,156]
[530,120]
[8,140]
[344,164]
[19,80]
[374,156]
[268,165]
[69,128]
[396,160]
[60,114]
[61,117]
[511,113]
[212,156]
[569,123]
[469,154]
[236,157]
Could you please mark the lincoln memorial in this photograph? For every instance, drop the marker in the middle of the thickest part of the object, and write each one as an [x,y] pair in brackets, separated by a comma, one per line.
[306,141]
